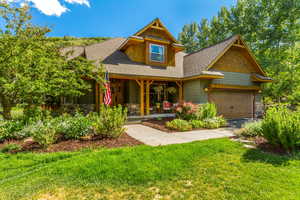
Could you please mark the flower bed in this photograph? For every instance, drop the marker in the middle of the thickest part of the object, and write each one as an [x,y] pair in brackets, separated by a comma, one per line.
[189,117]
[46,131]
[73,145]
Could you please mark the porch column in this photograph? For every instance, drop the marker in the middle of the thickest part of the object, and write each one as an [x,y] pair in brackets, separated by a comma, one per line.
[142,88]
[100,97]
[148,84]
[180,90]
[97,96]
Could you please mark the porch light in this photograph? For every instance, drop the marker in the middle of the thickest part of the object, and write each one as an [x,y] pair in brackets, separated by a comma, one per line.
[259,91]
[206,89]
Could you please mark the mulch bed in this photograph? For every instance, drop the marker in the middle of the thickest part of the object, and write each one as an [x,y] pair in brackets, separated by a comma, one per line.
[263,144]
[159,124]
[75,145]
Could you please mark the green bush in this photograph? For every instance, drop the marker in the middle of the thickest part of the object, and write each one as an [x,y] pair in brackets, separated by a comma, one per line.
[11,130]
[211,123]
[110,121]
[252,129]
[207,111]
[43,133]
[197,123]
[11,148]
[281,126]
[179,124]
[221,120]
[34,114]
[214,122]
[72,127]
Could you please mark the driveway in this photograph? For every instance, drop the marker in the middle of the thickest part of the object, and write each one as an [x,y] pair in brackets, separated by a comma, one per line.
[154,137]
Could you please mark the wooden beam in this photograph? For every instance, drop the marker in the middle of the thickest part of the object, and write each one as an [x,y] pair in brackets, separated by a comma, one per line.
[148,84]
[142,107]
[238,45]
[180,90]
[97,97]
[101,97]
[157,27]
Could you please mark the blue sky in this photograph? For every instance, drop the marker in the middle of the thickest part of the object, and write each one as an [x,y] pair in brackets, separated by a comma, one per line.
[111,18]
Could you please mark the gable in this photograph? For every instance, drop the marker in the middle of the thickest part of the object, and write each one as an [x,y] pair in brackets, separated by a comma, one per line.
[236,60]
[156,29]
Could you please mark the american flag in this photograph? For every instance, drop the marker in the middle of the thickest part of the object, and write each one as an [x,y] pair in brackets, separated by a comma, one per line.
[107,97]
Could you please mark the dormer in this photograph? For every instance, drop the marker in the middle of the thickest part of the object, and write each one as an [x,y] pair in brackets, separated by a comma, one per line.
[152,45]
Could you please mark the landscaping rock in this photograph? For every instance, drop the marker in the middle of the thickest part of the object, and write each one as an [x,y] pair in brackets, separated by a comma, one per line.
[29,141]
[249,146]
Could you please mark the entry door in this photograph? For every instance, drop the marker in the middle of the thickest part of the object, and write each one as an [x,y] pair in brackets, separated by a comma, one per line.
[117,92]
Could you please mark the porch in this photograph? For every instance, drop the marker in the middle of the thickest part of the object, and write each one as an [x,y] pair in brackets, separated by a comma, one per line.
[144,98]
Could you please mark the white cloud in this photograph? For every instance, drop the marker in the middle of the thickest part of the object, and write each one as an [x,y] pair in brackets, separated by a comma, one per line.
[81,2]
[49,7]
[52,7]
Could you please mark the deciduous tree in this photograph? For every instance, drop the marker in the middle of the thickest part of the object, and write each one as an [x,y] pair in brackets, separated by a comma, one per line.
[31,69]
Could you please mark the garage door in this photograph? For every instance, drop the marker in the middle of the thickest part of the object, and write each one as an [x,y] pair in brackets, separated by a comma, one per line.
[233,104]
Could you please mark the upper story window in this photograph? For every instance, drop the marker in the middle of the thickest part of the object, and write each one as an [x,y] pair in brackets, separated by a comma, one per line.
[157,53]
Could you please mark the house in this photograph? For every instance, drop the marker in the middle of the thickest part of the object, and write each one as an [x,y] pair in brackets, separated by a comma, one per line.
[149,73]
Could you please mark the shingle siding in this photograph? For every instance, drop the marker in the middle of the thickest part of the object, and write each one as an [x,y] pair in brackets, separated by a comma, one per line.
[194,91]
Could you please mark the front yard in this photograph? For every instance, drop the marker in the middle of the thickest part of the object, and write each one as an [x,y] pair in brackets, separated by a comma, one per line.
[212,169]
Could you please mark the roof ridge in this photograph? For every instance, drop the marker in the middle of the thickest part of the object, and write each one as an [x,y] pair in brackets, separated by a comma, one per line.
[104,41]
[236,35]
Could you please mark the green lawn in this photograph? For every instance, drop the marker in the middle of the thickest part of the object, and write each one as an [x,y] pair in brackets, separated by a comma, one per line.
[213,169]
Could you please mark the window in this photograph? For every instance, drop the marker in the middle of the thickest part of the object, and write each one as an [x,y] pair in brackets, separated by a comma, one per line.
[157,53]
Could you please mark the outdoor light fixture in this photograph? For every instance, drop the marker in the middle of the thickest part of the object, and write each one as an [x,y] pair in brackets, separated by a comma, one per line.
[206,89]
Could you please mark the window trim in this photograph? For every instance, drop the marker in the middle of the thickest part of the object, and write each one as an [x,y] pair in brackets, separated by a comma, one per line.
[163,54]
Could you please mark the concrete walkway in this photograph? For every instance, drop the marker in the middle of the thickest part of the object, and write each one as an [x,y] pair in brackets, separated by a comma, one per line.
[154,137]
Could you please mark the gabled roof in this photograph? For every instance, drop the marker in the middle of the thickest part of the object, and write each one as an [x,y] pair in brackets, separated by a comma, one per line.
[117,62]
[199,61]
[187,66]
[205,58]
[156,23]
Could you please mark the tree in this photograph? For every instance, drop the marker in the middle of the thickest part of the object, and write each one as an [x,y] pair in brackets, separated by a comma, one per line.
[31,68]
[272,30]
[188,37]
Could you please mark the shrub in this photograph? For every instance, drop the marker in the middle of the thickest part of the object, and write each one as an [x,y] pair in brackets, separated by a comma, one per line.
[221,120]
[34,114]
[214,122]
[43,133]
[11,148]
[110,121]
[211,123]
[72,127]
[252,129]
[197,123]
[11,130]
[179,124]
[206,111]
[282,127]
[186,111]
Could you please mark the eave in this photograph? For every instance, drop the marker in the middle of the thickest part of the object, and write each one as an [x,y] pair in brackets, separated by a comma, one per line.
[261,79]
[234,87]
[131,40]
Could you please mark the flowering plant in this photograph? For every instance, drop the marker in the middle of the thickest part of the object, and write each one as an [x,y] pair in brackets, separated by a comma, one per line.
[186,111]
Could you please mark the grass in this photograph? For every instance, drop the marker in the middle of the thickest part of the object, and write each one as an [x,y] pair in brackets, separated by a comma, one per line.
[213,169]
